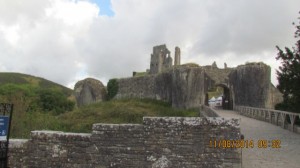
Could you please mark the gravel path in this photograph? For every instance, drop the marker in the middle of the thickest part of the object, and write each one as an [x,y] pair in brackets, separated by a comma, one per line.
[287,156]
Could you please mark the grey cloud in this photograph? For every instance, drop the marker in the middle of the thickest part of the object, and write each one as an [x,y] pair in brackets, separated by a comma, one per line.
[246,27]
[225,31]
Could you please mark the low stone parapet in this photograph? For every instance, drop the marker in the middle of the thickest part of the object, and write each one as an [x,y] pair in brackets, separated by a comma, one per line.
[158,142]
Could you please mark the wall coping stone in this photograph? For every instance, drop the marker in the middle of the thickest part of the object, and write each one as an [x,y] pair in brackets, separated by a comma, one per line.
[196,121]
[17,143]
[45,134]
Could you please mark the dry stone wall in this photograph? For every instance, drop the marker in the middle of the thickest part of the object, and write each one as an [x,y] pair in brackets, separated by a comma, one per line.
[158,142]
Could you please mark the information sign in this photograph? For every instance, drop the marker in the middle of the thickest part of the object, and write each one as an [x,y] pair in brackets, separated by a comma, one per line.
[4,121]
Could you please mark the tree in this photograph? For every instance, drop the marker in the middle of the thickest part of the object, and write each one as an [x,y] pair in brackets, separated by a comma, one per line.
[288,75]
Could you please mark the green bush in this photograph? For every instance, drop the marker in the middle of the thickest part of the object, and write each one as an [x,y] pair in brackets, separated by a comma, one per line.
[112,88]
[54,100]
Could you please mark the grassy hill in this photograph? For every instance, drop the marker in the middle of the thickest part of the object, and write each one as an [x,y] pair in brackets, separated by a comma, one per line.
[24,79]
[40,104]
[32,96]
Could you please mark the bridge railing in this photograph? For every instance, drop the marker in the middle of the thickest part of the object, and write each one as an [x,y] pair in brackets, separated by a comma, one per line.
[275,117]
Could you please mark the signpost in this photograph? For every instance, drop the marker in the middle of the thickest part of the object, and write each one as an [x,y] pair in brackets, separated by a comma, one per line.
[6,111]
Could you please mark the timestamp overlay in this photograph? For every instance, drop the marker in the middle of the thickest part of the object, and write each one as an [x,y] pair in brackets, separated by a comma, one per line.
[264,145]
[244,143]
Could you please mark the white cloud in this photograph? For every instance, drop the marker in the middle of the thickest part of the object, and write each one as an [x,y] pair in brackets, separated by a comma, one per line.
[11,33]
[73,13]
[67,40]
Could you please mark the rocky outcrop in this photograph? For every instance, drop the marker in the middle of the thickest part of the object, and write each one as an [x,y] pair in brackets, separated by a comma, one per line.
[89,91]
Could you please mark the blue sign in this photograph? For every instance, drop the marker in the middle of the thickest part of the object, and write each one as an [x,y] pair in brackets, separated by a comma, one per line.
[4,120]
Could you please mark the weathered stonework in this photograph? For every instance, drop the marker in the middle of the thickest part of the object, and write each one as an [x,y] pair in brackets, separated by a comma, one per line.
[177,56]
[251,86]
[186,86]
[274,97]
[182,86]
[160,59]
[158,142]
[89,91]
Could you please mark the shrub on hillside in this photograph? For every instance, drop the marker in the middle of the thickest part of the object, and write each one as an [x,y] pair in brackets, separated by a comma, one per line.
[112,88]
[55,101]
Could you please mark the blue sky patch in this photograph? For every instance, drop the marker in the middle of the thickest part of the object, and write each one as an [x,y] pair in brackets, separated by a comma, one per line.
[105,7]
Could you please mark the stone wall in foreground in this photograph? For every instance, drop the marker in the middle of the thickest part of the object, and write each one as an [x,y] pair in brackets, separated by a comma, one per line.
[158,142]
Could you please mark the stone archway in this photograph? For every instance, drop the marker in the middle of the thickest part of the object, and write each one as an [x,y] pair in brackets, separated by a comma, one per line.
[227,100]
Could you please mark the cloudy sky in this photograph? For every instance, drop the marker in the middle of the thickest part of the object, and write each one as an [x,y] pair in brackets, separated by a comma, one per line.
[69,40]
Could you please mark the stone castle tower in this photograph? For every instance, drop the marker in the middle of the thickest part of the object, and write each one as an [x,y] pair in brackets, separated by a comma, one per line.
[161,59]
[177,56]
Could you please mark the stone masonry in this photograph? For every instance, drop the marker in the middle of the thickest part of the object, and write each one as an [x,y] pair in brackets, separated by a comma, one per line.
[186,86]
[161,59]
[158,142]
[251,86]
[182,86]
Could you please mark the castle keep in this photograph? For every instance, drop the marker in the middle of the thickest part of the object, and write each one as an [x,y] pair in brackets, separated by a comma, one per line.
[161,59]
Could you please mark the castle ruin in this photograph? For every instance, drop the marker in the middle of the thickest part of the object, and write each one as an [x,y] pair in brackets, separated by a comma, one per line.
[161,59]
[187,85]
[177,56]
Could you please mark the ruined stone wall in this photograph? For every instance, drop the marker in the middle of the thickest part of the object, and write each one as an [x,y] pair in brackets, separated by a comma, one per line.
[158,142]
[150,86]
[136,87]
[188,87]
[275,97]
[184,87]
[250,84]
[219,76]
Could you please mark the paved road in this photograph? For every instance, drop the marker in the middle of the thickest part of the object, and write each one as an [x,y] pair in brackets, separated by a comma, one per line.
[287,156]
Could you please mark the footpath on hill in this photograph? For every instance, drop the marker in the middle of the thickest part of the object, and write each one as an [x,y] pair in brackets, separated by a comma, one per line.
[286,156]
